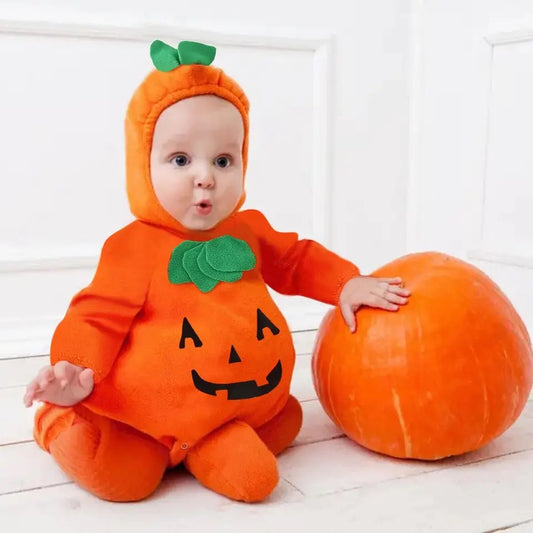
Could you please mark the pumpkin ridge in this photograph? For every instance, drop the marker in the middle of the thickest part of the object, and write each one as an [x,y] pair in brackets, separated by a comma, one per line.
[407,442]
[486,411]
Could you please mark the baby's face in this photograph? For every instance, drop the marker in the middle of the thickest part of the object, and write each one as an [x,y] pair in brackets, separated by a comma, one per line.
[196,160]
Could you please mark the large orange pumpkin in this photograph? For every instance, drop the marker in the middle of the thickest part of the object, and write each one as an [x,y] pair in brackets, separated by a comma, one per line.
[444,375]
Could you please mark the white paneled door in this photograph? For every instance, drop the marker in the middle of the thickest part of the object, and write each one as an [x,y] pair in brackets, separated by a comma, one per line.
[472,159]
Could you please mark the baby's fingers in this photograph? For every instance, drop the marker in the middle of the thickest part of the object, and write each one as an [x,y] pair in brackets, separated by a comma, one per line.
[31,391]
[348,314]
[388,306]
[63,373]
[395,299]
[45,377]
[395,289]
[392,281]
[86,379]
[382,302]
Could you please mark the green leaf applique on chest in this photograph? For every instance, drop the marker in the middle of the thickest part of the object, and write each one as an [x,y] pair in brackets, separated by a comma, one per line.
[206,263]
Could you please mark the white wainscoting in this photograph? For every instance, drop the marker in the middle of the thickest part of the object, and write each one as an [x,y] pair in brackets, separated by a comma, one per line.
[504,248]
[506,229]
[470,187]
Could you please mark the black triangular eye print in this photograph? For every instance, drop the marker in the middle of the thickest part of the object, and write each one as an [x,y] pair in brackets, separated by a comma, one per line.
[262,323]
[187,332]
[234,356]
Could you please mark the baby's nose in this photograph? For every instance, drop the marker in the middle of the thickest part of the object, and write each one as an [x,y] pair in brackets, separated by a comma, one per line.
[205,181]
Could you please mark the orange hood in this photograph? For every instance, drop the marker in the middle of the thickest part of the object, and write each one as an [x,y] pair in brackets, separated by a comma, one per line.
[158,91]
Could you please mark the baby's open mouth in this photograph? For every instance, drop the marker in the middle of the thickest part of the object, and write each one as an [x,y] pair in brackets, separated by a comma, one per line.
[203,207]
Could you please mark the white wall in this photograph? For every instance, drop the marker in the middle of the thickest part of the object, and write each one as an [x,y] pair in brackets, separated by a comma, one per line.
[329,86]
[471,180]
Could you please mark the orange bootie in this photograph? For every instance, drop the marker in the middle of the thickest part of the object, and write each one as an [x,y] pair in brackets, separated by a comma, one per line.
[279,432]
[109,459]
[235,462]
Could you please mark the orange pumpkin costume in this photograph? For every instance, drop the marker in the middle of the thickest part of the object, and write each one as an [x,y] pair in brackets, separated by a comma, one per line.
[182,374]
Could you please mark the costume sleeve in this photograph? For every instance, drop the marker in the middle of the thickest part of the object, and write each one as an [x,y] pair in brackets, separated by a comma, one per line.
[99,317]
[302,267]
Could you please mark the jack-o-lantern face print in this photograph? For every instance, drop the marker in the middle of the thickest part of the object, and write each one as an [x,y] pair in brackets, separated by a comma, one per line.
[239,390]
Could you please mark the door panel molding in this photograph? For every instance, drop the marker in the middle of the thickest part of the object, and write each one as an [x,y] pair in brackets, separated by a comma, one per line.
[480,250]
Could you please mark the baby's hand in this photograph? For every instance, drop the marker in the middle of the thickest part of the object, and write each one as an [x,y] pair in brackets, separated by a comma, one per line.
[384,293]
[63,384]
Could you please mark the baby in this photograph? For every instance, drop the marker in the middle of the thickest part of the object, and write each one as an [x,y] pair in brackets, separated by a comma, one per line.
[176,353]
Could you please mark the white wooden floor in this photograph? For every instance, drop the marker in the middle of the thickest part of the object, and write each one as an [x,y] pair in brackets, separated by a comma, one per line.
[328,482]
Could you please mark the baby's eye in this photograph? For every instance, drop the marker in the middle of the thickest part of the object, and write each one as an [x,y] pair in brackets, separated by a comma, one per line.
[223,161]
[180,160]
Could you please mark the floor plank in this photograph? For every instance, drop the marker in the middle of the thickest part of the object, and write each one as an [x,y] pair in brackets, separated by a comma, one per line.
[474,498]
[179,502]
[352,466]
[304,341]
[317,426]
[25,466]
[18,372]
[343,465]
[480,497]
[302,380]
[16,421]
[523,527]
